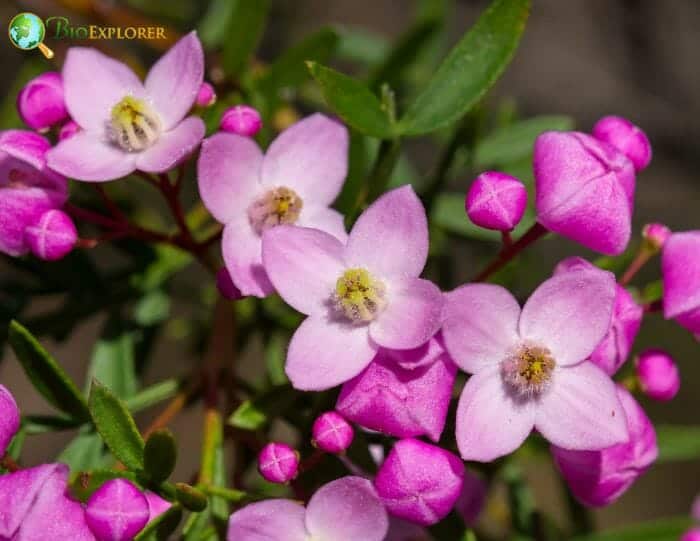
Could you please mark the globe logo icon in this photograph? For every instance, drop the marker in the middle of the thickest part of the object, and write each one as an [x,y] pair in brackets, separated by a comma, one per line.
[27,32]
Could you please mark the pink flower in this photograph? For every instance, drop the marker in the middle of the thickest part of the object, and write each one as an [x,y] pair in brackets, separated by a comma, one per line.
[402,397]
[206,96]
[346,509]
[117,511]
[656,235]
[27,187]
[598,478]
[359,296]
[242,120]
[128,125]
[496,201]
[53,236]
[528,365]
[156,505]
[293,183]
[40,103]
[680,271]
[331,433]
[658,374]
[625,137]
[691,535]
[9,418]
[224,283]
[584,190]
[69,129]
[278,462]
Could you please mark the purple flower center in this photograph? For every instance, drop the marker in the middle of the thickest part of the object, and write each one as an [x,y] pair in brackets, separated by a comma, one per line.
[528,370]
[135,126]
[277,206]
[359,295]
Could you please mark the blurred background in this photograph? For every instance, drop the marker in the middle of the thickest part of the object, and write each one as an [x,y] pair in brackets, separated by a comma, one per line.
[580,58]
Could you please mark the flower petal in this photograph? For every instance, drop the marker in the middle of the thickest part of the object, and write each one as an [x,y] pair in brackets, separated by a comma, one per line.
[93,83]
[173,82]
[412,316]
[310,157]
[172,147]
[86,156]
[481,325]
[228,172]
[241,248]
[491,422]
[581,410]
[347,509]
[326,219]
[25,145]
[325,352]
[391,236]
[18,492]
[570,313]
[9,418]
[303,264]
[269,520]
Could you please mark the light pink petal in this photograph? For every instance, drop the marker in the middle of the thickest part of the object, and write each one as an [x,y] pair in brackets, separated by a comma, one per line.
[25,145]
[173,82]
[9,418]
[581,410]
[326,219]
[481,325]
[269,520]
[412,316]
[93,83]
[303,264]
[570,314]
[391,236]
[324,353]
[347,509]
[228,171]
[680,268]
[310,157]
[18,493]
[241,248]
[172,147]
[491,423]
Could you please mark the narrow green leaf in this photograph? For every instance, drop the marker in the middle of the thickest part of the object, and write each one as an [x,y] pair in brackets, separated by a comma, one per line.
[243,33]
[45,373]
[212,470]
[360,45]
[668,529]
[470,69]
[653,291]
[352,101]
[254,414]
[212,26]
[678,442]
[112,362]
[152,395]
[84,452]
[190,497]
[152,308]
[162,527]
[160,455]
[116,426]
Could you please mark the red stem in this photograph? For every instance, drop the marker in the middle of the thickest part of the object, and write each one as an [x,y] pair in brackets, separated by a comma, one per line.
[508,252]
[637,263]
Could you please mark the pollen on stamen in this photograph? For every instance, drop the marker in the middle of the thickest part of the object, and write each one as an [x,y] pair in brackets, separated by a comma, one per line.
[528,369]
[359,296]
[277,206]
[135,126]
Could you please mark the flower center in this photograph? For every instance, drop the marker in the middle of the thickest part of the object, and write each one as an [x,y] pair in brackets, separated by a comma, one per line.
[359,296]
[529,369]
[277,206]
[135,126]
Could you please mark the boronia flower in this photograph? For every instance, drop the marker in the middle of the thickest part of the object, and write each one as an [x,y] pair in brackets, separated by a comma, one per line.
[346,509]
[293,183]
[359,296]
[125,124]
[680,271]
[529,366]
[9,418]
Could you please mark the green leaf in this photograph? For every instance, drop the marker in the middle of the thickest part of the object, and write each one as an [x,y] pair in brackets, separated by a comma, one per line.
[162,527]
[152,395]
[653,291]
[84,452]
[152,308]
[116,426]
[112,362]
[254,414]
[470,69]
[243,33]
[212,470]
[160,455]
[352,101]
[212,26]
[678,442]
[668,529]
[85,483]
[190,497]
[360,45]
[46,375]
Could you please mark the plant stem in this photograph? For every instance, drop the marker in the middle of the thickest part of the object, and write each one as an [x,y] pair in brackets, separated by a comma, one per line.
[581,519]
[638,262]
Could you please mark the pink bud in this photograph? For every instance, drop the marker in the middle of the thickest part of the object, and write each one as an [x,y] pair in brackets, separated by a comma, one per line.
[224,283]
[206,97]
[598,478]
[241,119]
[9,418]
[53,236]
[691,535]
[331,433]
[419,482]
[656,235]
[658,374]
[625,137]
[278,463]
[116,511]
[40,103]
[69,129]
[472,499]
[496,201]
[156,505]
[680,272]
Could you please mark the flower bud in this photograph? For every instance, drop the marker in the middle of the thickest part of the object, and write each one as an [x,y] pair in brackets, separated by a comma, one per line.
[419,482]
[224,283]
[472,499]
[156,505]
[53,236]
[241,119]
[658,374]
[117,511]
[625,137]
[69,129]
[278,463]
[496,201]
[680,272]
[331,433]
[9,418]
[691,535]
[598,478]
[40,103]
[656,235]
[206,97]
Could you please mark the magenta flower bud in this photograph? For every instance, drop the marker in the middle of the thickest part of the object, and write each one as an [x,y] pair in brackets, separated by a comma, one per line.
[572,170]
[656,235]
[496,201]
[40,103]
[69,129]
[156,505]
[625,137]
[224,283]
[471,501]
[117,511]
[9,418]
[598,478]
[278,463]
[658,374]
[691,535]
[680,273]
[53,236]
[332,433]
[241,119]
[419,482]
[695,509]
[206,97]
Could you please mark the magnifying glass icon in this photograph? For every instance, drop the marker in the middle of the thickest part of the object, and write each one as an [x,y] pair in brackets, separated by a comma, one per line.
[27,32]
